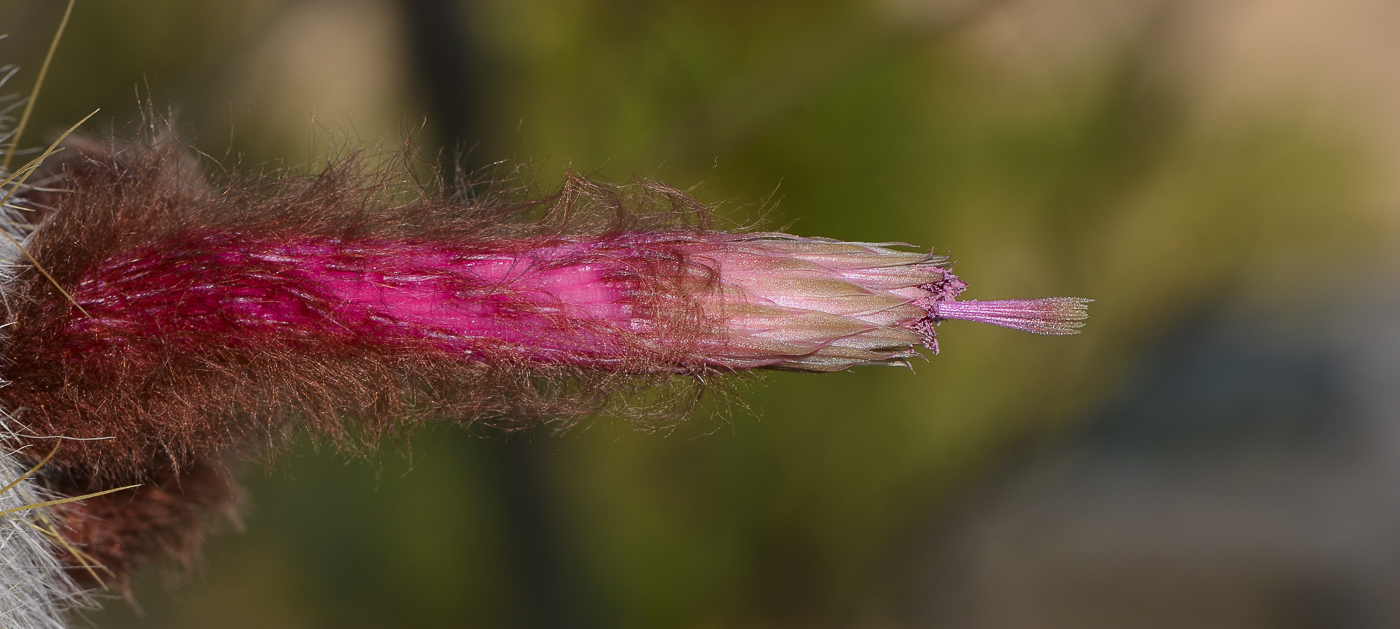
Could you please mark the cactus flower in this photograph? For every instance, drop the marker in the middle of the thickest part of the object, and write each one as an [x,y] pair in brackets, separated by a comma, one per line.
[165,327]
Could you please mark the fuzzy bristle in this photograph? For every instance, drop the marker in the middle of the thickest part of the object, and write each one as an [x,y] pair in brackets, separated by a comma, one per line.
[37,590]
[150,383]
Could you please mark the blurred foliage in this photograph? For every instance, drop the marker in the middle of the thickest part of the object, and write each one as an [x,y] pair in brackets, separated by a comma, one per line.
[1098,177]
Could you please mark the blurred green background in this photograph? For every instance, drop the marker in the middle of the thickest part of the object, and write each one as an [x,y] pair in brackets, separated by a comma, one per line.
[1154,155]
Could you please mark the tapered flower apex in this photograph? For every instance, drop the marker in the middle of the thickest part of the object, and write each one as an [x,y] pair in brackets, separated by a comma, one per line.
[814,304]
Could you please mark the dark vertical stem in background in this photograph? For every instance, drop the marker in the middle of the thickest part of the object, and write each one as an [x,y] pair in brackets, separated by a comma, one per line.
[450,72]
[448,69]
[549,593]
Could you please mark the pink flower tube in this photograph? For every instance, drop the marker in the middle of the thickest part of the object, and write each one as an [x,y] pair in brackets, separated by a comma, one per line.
[646,302]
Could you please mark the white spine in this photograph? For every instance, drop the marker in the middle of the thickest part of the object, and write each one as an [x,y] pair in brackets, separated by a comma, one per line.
[35,590]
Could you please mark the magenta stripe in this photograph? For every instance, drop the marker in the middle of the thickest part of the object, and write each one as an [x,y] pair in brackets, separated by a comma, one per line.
[588,303]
